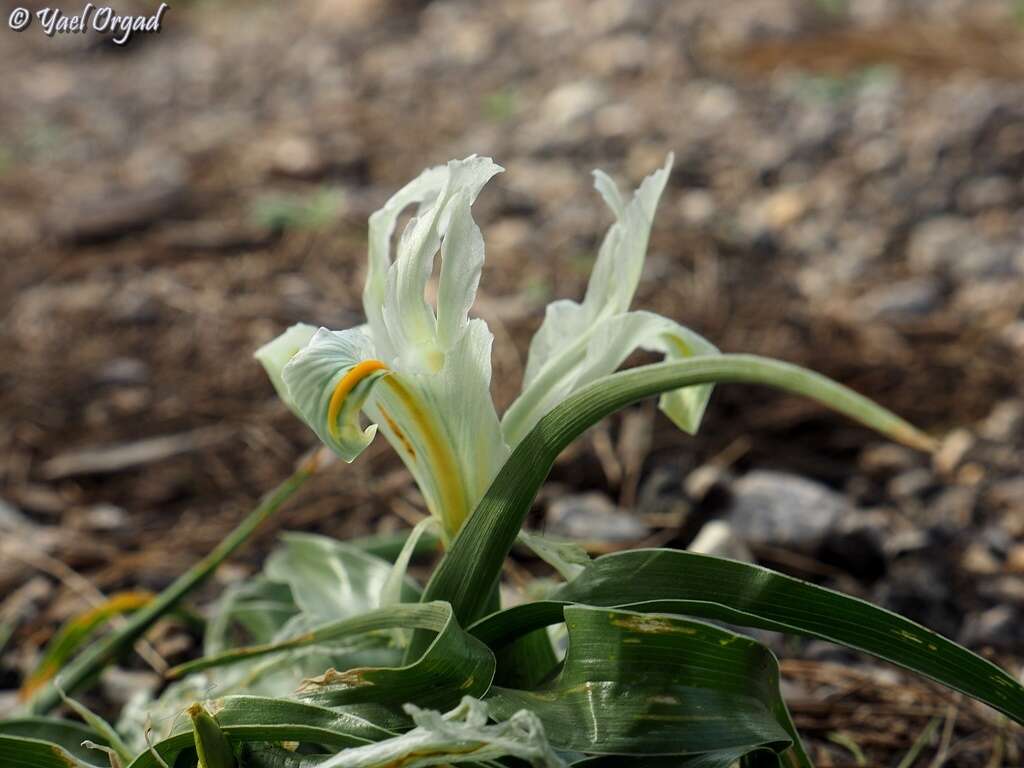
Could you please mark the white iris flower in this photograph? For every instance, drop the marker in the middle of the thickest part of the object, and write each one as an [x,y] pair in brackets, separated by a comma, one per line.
[422,374]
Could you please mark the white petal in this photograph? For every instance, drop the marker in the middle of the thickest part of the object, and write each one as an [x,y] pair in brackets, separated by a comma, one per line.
[274,356]
[558,345]
[621,258]
[617,337]
[409,319]
[422,190]
[313,376]
[462,259]
[600,352]
[463,396]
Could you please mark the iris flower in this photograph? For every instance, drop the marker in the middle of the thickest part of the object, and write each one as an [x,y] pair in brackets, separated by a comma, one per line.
[421,374]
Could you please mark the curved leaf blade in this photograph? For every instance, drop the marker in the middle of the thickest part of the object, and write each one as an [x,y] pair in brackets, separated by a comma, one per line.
[636,683]
[742,594]
[471,568]
[248,719]
[45,742]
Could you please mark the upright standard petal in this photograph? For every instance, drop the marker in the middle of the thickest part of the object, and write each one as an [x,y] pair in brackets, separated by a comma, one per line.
[422,190]
[559,349]
[410,321]
[616,272]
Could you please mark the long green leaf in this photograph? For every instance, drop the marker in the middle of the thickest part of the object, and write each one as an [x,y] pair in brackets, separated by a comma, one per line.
[43,742]
[472,565]
[747,595]
[85,666]
[634,683]
[454,665]
[257,719]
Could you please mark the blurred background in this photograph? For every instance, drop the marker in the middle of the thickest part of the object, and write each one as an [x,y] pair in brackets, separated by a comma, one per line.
[846,195]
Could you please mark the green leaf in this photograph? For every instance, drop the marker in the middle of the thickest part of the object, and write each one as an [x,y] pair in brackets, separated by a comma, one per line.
[259,608]
[76,632]
[747,595]
[96,656]
[453,665]
[212,746]
[635,683]
[472,566]
[43,742]
[460,736]
[329,579]
[246,719]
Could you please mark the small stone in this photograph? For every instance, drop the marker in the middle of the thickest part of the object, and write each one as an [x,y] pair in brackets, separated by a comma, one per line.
[911,483]
[123,371]
[593,517]
[779,509]
[920,588]
[900,300]
[888,457]
[1000,627]
[297,157]
[1015,559]
[1007,494]
[1003,589]
[953,449]
[105,517]
[949,243]
[950,512]
[978,560]
[1005,421]
[697,207]
[718,538]
[985,192]
[573,101]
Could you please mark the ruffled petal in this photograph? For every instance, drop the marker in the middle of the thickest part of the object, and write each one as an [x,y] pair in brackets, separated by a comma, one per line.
[328,382]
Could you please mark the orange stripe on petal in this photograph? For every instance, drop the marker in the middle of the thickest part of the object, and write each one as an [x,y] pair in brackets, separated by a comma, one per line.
[344,387]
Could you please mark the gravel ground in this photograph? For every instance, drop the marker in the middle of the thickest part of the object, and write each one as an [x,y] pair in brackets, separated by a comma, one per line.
[846,195]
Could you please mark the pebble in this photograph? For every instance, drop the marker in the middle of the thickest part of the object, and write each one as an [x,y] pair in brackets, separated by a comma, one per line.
[1004,422]
[888,457]
[592,517]
[1015,560]
[999,627]
[900,300]
[719,539]
[978,560]
[911,483]
[952,450]
[950,244]
[780,509]
[573,101]
[985,192]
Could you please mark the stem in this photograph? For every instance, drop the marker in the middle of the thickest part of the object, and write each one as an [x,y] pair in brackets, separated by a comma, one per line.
[98,655]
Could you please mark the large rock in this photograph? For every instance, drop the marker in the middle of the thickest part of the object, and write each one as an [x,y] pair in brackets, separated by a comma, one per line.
[782,510]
